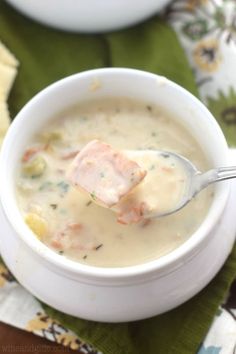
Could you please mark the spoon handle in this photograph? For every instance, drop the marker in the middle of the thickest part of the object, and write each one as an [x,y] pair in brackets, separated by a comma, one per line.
[225,173]
[215,175]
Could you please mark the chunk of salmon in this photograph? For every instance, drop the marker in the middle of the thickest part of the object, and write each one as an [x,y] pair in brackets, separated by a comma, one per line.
[131,214]
[106,174]
[30,152]
[70,237]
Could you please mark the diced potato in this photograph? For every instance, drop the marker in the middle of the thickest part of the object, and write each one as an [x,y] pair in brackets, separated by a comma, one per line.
[25,186]
[37,224]
[51,137]
[35,167]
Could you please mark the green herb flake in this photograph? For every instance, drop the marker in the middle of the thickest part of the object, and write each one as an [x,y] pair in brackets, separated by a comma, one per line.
[93,195]
[63,186]
[89,203]
[61,252]
[46,186]
[85,256]
[165,155]
[63,211]
[98,247]
[152,167]
[102,175]
[154,134]
[53,206]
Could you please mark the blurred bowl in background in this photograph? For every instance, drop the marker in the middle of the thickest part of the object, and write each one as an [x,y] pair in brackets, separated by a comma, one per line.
[88,15]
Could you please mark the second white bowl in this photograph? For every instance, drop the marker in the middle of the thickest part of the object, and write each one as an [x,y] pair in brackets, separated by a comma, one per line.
[89,15]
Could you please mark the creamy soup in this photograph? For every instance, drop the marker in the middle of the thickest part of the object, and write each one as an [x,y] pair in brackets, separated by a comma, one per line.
[68,221]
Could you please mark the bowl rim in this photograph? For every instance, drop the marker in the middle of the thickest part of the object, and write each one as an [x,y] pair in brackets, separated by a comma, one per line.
[167,262]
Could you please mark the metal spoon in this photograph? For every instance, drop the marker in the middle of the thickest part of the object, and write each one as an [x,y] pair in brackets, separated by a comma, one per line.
[195,181]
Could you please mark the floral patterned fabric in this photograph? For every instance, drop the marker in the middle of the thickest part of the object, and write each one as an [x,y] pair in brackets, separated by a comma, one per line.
[20,309]
[207,31]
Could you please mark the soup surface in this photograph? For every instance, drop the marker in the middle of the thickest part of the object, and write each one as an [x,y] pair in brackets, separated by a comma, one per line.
[67,220]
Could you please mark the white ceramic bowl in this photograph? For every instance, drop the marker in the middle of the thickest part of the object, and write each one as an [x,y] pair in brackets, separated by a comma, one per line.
[88,15]
[113,294]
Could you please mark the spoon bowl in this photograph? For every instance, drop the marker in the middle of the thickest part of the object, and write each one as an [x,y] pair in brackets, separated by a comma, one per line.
[194,180]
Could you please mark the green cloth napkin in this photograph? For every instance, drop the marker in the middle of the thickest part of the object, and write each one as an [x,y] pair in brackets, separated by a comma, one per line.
[47,55]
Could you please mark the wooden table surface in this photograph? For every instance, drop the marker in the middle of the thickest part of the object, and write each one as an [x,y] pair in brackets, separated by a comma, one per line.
[16,341]
[13,340]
